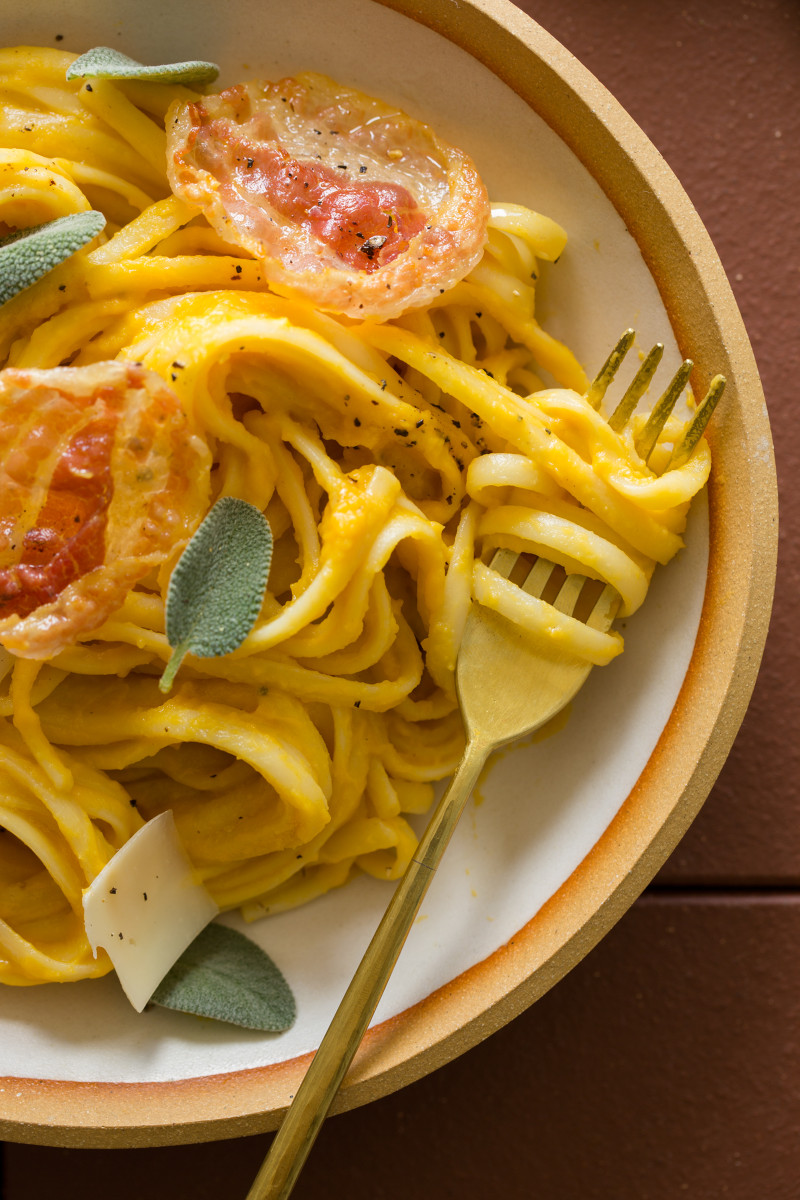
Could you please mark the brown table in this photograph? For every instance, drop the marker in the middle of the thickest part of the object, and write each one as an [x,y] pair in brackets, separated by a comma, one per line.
[668,1062]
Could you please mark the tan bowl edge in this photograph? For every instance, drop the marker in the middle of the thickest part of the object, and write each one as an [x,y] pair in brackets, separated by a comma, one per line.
[703,724]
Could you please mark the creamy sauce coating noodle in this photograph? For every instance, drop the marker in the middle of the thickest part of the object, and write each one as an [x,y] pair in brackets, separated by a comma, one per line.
[391,457]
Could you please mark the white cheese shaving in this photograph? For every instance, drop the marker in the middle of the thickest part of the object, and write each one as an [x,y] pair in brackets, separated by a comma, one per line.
[145,907]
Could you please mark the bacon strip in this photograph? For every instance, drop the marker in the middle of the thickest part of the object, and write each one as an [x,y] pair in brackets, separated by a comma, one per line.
[100,481]
[347,201]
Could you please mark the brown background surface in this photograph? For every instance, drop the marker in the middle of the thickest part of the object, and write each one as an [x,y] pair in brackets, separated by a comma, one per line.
[668,1062]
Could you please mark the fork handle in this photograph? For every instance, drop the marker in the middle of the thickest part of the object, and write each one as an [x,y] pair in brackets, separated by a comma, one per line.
[308,1110]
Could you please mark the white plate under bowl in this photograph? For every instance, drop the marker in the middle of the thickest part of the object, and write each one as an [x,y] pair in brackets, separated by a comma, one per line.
[566,830]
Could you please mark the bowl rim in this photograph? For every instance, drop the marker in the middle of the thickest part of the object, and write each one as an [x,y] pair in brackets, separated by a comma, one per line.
[698,735]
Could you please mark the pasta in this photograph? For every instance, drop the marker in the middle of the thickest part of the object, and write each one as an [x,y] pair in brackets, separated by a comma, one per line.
[391,457]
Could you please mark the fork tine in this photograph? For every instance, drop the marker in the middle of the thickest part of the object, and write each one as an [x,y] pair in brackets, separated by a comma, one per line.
[637,388]
[540,573]
[598,386]
[658,417]
[697,425]
[605,608]
[569,594]
[648,436]
[531,579]
[504,561]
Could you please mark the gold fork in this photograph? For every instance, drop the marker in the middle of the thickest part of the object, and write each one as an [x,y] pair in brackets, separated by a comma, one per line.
[493,650]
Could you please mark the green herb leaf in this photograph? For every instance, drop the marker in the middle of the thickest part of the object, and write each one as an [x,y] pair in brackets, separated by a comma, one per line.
[28,254]
[217,588]
[225,976]
[104,63]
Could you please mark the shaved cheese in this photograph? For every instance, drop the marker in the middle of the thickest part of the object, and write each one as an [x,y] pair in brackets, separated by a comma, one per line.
[145,907]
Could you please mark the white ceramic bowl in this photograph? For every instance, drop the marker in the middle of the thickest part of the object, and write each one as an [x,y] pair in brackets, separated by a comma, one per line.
[566,830]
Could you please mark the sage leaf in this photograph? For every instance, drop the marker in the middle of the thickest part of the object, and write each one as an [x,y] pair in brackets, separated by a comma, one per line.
[217,588]
[105,63]
[225,976]
[28,254]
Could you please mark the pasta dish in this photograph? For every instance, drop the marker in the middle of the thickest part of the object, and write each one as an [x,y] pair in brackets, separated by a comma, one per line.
[303,299]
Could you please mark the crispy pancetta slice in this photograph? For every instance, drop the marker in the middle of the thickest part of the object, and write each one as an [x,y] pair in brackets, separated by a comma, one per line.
[100,482]
[347,201]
